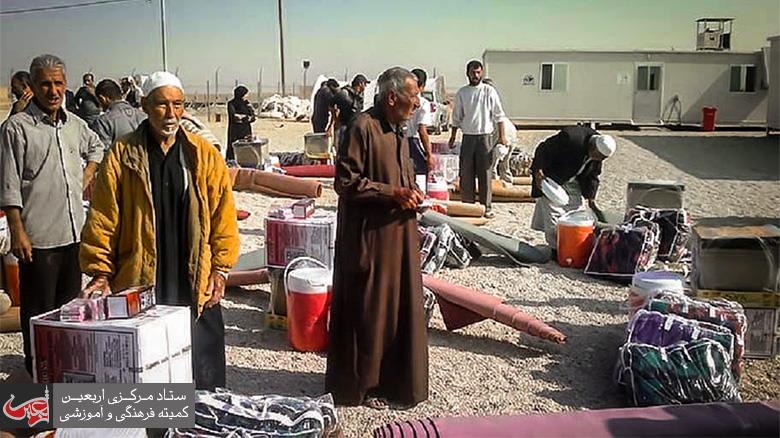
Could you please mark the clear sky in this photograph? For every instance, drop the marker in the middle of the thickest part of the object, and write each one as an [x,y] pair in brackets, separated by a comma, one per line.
[351,36]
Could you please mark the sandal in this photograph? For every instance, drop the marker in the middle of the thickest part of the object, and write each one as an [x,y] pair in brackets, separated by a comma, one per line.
[376,403]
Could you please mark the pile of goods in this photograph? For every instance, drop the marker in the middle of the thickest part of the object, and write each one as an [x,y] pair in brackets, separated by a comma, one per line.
[288,107]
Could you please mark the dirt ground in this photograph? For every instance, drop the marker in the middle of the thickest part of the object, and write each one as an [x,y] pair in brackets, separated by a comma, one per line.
[488,368]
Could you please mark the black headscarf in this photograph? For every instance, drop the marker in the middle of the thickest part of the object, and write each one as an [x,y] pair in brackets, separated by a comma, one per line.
[240,105]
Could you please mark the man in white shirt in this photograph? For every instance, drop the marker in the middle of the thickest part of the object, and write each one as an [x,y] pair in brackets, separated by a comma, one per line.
[417,130]
[477,108]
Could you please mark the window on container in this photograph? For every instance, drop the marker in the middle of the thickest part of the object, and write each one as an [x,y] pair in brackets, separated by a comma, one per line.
[648,78]
[742,79]
[554,77]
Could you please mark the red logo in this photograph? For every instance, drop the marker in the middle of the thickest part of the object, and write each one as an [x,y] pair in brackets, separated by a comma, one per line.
[34,409]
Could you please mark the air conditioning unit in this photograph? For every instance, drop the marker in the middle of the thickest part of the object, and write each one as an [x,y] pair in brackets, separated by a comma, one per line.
[709,40]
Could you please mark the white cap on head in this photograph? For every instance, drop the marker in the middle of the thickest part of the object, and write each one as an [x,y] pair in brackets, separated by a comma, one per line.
[605,144]
[160,79]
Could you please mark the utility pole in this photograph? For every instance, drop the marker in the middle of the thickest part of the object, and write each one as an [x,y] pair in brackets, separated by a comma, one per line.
[216,85]
[306,65]
[281,45]
[164,42]
[259,87]
[208,102]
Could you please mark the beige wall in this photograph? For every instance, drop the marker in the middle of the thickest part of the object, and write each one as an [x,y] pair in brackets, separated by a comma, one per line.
[601,86]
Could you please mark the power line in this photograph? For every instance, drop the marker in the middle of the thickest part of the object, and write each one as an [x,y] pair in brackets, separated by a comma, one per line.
[75,5]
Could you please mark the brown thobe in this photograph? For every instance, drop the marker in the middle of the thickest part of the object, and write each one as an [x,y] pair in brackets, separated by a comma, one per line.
[378,337]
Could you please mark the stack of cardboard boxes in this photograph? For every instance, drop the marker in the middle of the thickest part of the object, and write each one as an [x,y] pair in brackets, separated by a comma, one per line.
[739,263]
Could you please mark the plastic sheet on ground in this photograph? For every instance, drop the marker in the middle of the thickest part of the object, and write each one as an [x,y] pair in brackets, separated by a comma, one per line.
[225,413]
[694,372]
[288,107]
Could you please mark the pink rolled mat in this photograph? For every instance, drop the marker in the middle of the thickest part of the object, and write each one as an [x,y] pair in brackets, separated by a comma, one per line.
[246,278]
[461,306]
[312,170]
[708,419]
[270,183]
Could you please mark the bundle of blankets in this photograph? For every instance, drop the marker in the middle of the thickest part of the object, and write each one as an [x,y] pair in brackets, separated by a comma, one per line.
[225,413]
[288,107]
[681,350]
[646,236]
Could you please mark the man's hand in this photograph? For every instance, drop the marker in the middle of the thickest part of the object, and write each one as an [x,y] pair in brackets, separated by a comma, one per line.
[431,163]
[23,101]
[97,286]
[21,247]
[216,288]
[408,199]
[452,140]
[538,178]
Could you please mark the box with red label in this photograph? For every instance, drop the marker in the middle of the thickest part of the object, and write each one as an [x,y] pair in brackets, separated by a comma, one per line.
[130,302]
[303,209]
[288,239]
[153,347]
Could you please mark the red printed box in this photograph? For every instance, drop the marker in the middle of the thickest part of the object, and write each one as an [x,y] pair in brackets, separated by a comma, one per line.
[130,302]
[288,239]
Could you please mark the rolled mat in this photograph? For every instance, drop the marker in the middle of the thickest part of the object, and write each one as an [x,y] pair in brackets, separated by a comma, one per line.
[476,221]
[521,180]
[707,419]
[312,170]
[461,306]
[505,191]
[9,321]
[270,183]
[520,252]
[460,209]
[247,278]
[455,196]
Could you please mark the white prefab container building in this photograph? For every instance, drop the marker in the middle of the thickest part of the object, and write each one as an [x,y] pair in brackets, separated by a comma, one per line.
[637,87]
[773,101]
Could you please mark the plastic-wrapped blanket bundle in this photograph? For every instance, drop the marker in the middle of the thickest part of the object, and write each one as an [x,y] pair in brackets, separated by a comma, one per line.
[728,314]
[674,226]
[622,251]
[657,329]
[693,372]
[441,246]
[224,413]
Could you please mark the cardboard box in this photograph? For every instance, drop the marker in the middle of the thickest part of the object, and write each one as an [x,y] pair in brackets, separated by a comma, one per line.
[736,258]
[130,302]
[288,239]
[303,209]
[154,347]
[760,339]
[251,153]
[317,146]
[654,194]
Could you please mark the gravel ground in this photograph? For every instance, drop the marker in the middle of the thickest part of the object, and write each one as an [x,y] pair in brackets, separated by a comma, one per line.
[488,368]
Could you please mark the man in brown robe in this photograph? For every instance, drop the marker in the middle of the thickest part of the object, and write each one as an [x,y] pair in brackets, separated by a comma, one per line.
[378,349]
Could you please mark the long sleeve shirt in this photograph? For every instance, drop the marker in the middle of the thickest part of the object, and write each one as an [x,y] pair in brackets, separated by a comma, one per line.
[564,156]
[41,173]
[476,109]
[119,119]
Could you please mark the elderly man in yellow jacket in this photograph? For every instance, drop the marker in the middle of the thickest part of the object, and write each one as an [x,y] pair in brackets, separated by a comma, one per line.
[162,213]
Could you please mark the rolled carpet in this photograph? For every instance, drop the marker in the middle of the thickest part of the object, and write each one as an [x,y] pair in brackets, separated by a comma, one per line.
[455,196]
[522,180]
[499,189]
[520,252]
[269,183]
[461,306]
[457,209]
[706,419]
[476,221]
[312,170]
[250,269]
[9,321]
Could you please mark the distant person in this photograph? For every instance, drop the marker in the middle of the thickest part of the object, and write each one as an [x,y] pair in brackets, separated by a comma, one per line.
[417,129]
[378,346]
[41,184]
[70,101]
[323,114]
[477,107]
[131,92]
[241,115]
[571,158]
[87,104]
[119,118]
[502,153]
[349,103]
[20,88]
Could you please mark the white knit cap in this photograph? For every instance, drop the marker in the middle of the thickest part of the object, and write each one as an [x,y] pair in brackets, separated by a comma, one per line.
[605,144]
[160,79]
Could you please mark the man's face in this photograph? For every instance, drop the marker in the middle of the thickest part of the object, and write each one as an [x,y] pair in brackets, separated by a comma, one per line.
[88,80]
[475,75]
[403,104]
[48,86]
[165,107]
[360,88]
[18,88]
[594,154]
